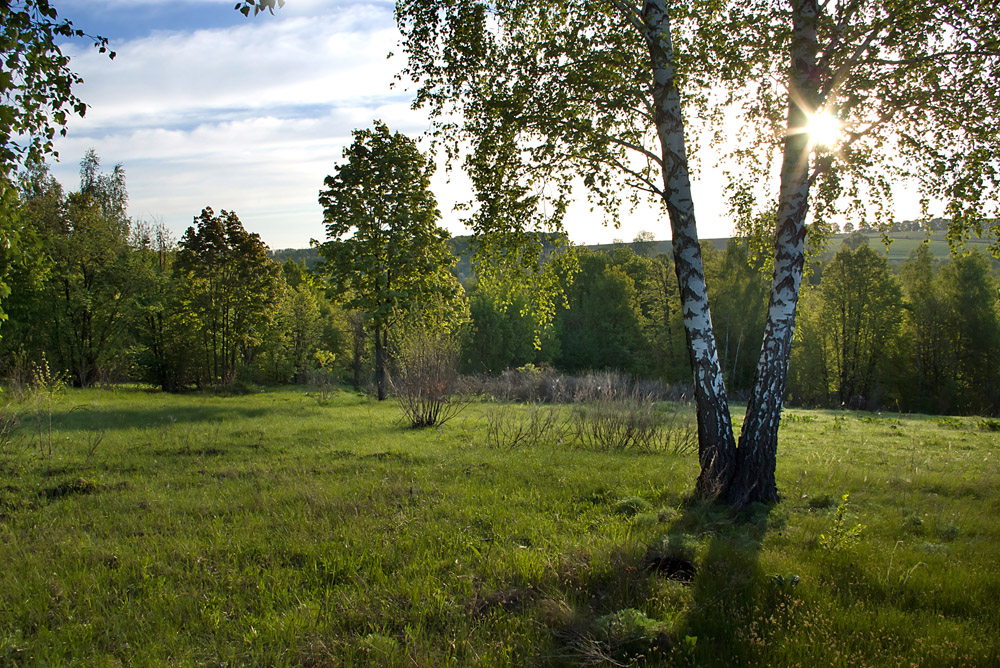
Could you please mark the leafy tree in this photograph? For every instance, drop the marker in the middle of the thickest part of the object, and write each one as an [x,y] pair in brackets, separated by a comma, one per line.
[738,291]
[501,337]
[554,91]
[549,91]
[92,285]
[969,293]
[926,334]
[230,291]
[809,379]
[36,101]
[644,243]
[162,330]
[897,77]
[602,326]
[861,307]
[384,249]
[41,213]
[664,325]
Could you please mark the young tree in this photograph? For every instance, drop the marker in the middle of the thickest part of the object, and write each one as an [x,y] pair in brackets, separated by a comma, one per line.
[552,90]
[501,337]
[230,291]
[384,249]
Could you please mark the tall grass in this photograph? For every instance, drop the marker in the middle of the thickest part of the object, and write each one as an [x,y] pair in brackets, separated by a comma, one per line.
[274,530]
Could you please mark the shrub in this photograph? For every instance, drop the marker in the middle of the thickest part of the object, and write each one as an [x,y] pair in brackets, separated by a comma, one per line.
[842,535]
[617,425]
[425,378]
[629,634]
[989,425]
[322,377]
[633,423]
[505,429]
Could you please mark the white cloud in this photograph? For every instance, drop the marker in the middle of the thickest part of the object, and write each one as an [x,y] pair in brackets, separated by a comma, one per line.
[249,118]
[170,78]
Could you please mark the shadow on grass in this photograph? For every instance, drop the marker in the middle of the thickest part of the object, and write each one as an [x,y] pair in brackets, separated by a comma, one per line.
[723,615]
[210,411]
[87,418]
[710,551]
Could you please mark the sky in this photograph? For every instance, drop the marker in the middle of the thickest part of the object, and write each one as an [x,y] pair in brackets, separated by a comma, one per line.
[204,107]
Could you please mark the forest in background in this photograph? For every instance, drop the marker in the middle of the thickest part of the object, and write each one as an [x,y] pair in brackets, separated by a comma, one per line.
[104,299]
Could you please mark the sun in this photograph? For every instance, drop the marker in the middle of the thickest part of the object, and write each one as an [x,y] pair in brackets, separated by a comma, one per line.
[824,129]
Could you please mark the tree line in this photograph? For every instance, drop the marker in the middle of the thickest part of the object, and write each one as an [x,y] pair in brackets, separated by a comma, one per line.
[106,298]
[923,336]
[109,299]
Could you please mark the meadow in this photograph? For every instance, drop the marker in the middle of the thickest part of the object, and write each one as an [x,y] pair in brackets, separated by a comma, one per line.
[284,528]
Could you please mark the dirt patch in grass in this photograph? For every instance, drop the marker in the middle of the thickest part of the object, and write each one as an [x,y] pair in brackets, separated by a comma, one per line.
[671,567]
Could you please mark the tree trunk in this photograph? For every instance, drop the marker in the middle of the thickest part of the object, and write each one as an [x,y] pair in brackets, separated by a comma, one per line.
[716,444]
[357,322]
[754,480]
[380,360]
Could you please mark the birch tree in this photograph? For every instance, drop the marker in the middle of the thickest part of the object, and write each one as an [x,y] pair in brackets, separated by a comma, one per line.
[552,91]
[549,92]
[907,89]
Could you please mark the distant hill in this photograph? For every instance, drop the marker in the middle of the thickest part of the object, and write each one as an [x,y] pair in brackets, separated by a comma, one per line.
[308,255]
[902,243]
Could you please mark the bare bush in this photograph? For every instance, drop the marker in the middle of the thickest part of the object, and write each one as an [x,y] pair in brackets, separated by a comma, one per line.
[679,433]
[537,425]
[531,383]
[632,423]
[425,379]
[617,425]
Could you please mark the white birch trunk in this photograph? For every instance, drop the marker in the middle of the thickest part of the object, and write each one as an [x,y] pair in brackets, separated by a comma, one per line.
[716,443]
[754,480]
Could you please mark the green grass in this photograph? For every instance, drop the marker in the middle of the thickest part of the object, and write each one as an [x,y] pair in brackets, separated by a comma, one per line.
[275,530]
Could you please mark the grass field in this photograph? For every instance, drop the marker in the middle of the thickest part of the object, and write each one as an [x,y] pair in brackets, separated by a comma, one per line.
[276,529]
[904,243]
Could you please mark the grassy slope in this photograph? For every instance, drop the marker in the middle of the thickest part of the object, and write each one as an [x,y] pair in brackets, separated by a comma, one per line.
[275,530]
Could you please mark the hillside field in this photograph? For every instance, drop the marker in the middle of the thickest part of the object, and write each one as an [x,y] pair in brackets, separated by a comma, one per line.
[283,528]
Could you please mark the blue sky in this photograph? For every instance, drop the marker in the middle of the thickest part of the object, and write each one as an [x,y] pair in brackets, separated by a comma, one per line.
[204,107]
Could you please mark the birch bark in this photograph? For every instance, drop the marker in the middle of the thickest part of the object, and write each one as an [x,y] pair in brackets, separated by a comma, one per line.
[717,446]
[756,456]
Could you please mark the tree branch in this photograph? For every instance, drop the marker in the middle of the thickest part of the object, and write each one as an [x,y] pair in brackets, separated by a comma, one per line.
[931,57]
[841,75]
[630,12]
